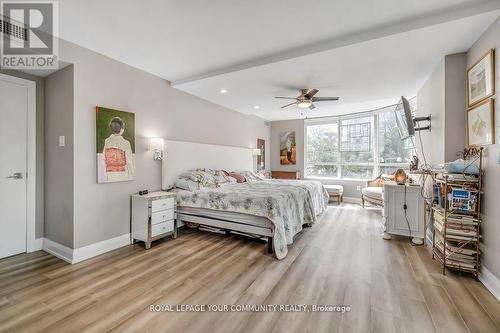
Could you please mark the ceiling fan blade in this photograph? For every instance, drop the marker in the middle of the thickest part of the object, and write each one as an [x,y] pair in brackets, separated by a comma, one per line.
[280,97]
[284,106]
[324,99]
[312,107]
[303,92]
[311,93]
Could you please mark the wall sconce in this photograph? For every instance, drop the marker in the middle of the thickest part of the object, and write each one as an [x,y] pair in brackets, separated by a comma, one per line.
[156,145]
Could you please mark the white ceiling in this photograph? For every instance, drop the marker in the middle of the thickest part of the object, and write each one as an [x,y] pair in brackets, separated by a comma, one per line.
[363,51]
[366,75]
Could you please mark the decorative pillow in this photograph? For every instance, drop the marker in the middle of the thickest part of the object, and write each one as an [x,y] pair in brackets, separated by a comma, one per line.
[229,180]
[239,177]
[252,176]
[187,184]
[203,178]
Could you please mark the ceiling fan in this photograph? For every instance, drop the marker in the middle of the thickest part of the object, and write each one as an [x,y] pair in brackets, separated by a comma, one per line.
[306,99]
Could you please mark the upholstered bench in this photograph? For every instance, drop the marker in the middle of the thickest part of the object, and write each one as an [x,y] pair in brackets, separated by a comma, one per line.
[335,191]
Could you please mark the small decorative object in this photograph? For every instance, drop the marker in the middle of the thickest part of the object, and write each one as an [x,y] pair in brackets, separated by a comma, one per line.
[481,79]
[261,159]
[288,148]
[480,124]
[400,177]
[414,163]
[115,145]
[156,145]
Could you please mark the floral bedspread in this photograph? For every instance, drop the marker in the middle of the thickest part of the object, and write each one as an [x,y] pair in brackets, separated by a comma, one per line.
[287,204]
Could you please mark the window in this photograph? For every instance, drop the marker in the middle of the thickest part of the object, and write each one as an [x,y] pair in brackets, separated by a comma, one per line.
[356,147]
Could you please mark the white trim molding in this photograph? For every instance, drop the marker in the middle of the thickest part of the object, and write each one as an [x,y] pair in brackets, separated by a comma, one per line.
[490,281]
[74,256]
[93,250]
[352,200]
[38,244]
[61,251]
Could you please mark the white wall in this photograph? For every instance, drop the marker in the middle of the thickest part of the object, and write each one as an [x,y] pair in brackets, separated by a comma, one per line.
[491,207]
[101,211]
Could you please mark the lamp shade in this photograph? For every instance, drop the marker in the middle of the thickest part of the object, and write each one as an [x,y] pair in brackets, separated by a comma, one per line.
[400,177]
[256,152]
[156,144]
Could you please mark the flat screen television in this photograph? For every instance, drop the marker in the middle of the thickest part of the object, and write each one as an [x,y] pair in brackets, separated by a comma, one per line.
[404,119]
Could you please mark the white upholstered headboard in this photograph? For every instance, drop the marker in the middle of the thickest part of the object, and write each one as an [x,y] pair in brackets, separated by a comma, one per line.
[180,156]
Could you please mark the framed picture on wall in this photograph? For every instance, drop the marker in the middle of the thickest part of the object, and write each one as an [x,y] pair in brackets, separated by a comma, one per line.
[481,79]
[481,124]
[115,145]
[288,148]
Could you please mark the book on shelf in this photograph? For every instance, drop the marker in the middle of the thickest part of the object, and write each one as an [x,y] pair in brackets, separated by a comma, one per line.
[455,218]
[458,177]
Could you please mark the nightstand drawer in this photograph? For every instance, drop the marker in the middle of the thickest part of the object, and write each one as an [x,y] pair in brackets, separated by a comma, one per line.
[162,216]
[162,228]
[162,204]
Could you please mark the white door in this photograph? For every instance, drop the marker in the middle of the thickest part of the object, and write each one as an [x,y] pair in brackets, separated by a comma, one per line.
[13,166]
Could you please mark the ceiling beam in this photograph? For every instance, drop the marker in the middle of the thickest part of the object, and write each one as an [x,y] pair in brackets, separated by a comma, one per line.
[376,32]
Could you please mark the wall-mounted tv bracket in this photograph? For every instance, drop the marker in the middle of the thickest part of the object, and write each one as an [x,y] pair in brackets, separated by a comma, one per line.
[416,121]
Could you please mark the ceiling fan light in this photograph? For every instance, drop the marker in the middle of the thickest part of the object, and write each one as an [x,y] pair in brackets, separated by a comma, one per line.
[304,104]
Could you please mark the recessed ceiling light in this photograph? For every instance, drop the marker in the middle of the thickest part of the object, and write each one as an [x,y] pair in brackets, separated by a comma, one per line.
[223,91]
[256,107]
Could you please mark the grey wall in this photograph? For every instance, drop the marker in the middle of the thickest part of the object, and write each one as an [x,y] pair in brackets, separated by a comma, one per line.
[443,97]
[455,101]
[297,125]
[59,160]
[278,127]
[101,211]
[39,217]
[491,208]
[431,101]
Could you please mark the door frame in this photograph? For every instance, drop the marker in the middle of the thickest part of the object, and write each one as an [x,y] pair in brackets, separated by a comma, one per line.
[30,159]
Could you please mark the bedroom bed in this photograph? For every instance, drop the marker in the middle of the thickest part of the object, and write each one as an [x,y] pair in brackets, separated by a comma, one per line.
[274,209]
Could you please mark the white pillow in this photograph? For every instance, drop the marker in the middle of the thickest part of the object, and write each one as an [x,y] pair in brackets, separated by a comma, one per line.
[187,184]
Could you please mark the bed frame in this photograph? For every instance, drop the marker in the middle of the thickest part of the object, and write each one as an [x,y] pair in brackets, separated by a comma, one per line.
[229,226]
[181,156]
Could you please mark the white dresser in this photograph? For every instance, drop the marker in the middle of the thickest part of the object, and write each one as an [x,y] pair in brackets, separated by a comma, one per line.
[394,213]
[153,217]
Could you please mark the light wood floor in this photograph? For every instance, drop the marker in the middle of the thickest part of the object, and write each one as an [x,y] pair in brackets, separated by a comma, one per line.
[391,286]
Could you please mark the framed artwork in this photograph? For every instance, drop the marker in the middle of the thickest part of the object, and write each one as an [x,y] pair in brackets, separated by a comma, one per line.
[115,145]
[288,148]
[481,79]
[261,159]
[481,124]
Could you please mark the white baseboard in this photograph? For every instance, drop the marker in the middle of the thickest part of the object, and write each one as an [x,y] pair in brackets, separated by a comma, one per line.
[490,281]
[352,200]
[92,250]
[61,251]
[83,253]
[37,245]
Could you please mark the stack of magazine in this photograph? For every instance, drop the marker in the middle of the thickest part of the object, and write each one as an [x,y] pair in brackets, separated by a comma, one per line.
[456,221]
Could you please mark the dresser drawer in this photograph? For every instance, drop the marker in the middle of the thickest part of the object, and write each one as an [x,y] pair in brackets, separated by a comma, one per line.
[162,228]
[162,216]
[162,204]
